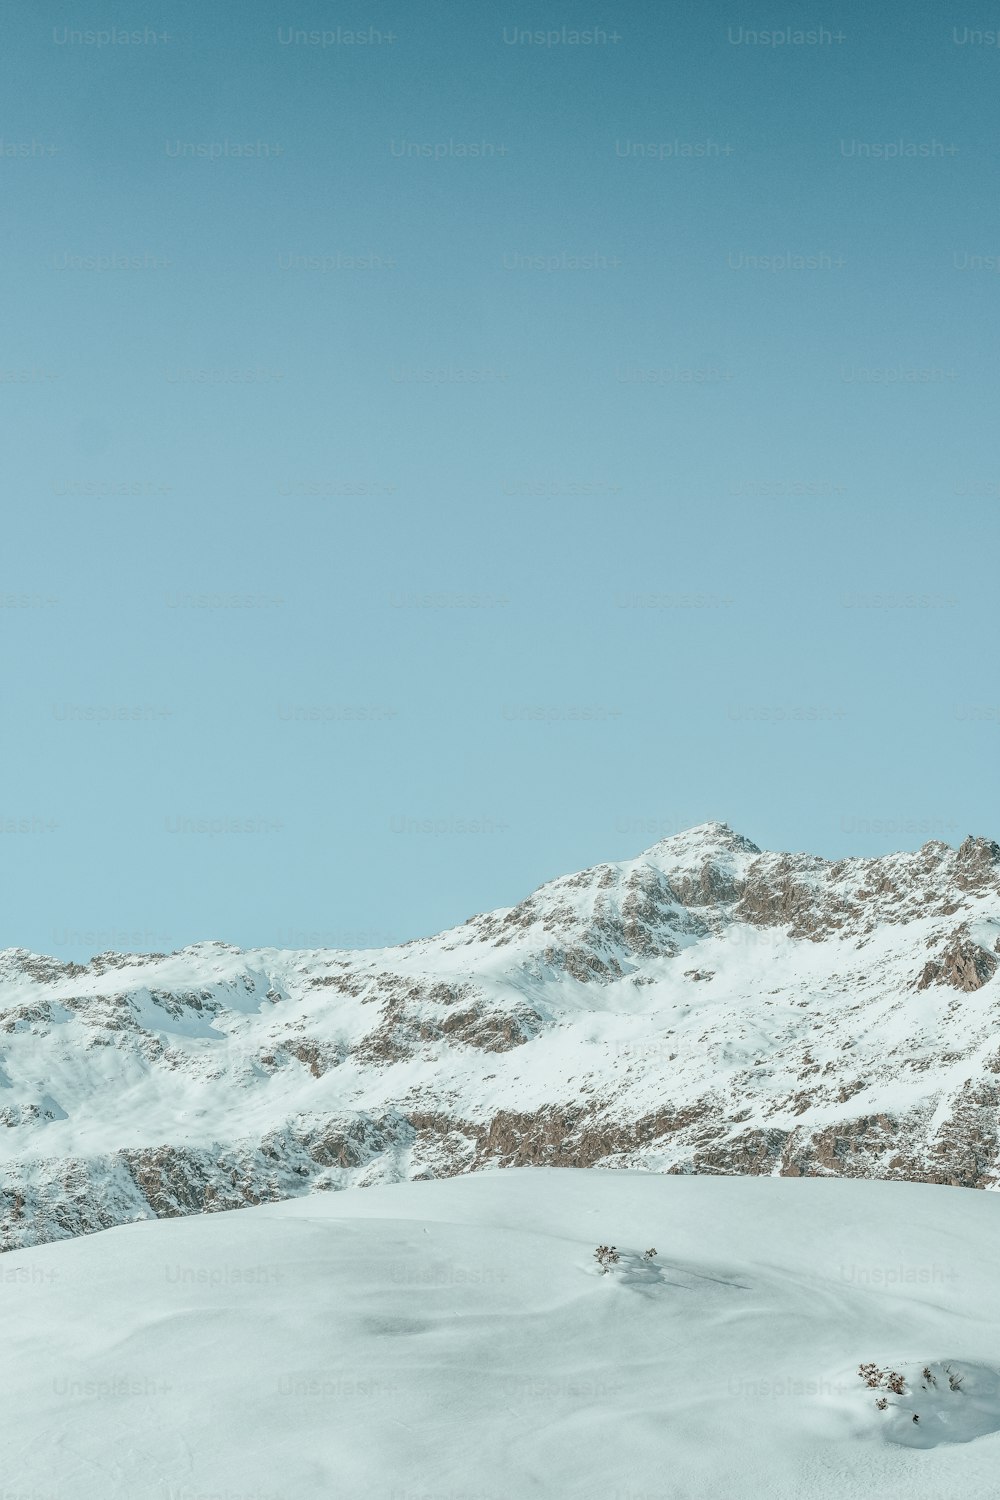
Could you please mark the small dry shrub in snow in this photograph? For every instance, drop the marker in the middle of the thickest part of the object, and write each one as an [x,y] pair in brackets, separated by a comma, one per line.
[606,1257]
[891,1380]
[648,1254]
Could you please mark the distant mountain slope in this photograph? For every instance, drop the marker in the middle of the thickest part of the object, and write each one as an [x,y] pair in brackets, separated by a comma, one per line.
[705,1007]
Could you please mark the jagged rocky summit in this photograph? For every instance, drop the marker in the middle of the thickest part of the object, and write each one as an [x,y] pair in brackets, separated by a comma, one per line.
[706,1007]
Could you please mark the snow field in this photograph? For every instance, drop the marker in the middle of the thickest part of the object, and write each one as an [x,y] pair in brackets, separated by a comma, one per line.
[455,1340]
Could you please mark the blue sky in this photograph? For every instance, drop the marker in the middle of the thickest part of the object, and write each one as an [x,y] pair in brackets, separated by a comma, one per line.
[438,463]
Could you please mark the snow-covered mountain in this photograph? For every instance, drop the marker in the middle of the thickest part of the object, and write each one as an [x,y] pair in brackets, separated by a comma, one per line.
[456,1340]
[703,1008]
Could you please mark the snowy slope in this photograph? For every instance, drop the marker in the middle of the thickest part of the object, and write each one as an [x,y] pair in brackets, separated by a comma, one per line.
[705,1007]
[455,1339]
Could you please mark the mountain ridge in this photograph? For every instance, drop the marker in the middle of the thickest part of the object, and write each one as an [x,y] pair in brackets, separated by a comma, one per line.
[705,1007]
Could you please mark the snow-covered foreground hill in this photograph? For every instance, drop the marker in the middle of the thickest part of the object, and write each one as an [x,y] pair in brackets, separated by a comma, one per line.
[705,1007]
[455,1340]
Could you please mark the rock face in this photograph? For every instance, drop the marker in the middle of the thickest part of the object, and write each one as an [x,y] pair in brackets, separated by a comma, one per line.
[706,1007]
[963,964]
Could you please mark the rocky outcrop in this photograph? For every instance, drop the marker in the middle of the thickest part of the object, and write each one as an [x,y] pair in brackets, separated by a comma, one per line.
[977,865]
[963,964]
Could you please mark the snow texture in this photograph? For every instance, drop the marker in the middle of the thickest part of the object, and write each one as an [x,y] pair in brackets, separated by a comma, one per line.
[457,1339]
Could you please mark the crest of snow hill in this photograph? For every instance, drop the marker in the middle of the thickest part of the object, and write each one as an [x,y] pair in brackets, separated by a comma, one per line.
[704,1008]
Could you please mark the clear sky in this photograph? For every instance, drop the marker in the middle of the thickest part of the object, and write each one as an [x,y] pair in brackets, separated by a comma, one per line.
[436,463]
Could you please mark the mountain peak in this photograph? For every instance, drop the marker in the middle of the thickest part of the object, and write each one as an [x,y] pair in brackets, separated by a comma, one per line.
[705,865]
[710,838]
